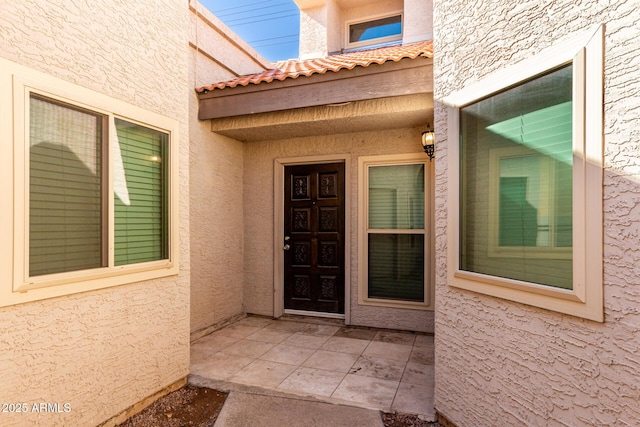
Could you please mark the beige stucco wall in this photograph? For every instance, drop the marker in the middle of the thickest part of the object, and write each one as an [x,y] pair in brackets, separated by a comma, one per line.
[105,350]
[216,225]
[503,364]
[313,33]
[216,167]
[335,34]
[418,21]
[323,23]
[259,160]
[222,54]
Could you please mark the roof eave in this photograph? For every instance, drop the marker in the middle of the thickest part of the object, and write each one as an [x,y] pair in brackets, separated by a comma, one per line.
[404,77]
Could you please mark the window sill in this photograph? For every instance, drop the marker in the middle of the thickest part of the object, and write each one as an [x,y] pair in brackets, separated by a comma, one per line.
[474,281]
[91,281]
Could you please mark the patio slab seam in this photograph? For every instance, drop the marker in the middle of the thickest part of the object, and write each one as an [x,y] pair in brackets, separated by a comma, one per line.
[366,368]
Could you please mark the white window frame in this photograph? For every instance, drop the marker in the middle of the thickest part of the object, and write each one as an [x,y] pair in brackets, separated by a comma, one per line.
[376,41]
[364,163]
[586,53]
[24,81]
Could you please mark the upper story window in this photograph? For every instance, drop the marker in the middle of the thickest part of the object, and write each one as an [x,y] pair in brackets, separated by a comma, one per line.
[380,30]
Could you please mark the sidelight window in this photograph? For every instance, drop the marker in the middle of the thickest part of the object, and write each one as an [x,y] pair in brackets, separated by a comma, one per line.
[395,259]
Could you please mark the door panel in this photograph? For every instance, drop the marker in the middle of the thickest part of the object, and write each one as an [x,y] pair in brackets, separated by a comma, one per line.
[314,238]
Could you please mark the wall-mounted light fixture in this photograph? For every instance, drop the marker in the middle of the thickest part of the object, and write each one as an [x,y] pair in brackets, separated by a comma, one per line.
[428,142]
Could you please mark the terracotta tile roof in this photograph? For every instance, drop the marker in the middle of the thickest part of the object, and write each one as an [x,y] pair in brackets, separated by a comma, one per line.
[292,68]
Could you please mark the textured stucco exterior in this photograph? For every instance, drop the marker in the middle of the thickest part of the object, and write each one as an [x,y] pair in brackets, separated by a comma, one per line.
[418,21]
[105,350]
[323,23]
[222,54]
[313,32]
[217,226]
[500,363]
[259,158]
[216,168]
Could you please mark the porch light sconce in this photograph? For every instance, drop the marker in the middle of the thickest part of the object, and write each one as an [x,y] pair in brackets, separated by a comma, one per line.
[428,142]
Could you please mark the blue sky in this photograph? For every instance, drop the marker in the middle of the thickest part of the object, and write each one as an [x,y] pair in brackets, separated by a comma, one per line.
[271,27]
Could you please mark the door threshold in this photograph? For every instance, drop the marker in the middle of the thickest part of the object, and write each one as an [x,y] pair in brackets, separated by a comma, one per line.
[314,314]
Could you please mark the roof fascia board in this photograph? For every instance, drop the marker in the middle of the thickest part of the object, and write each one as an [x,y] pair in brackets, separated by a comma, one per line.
[362,83]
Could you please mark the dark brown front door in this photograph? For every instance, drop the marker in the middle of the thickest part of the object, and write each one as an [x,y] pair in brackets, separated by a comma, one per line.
[314,238]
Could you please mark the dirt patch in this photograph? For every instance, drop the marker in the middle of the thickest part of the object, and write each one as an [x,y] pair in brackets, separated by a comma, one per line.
[200,407]
[188,406]
[394,419]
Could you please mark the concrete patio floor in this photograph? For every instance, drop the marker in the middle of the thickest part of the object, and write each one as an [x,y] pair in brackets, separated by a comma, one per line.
[320,360]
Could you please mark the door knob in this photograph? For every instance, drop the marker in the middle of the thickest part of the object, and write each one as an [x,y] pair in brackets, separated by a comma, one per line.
[286,247]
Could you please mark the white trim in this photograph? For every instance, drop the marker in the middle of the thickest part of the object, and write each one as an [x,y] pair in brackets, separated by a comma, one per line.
[377,41]
[21,288]
[586,52]
[364,162]
[278,228]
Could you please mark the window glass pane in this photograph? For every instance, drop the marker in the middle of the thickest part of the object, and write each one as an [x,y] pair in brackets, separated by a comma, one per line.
[396,266]
[516,182]
[65,188]
[378,28]
[141,194]
[396,197]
